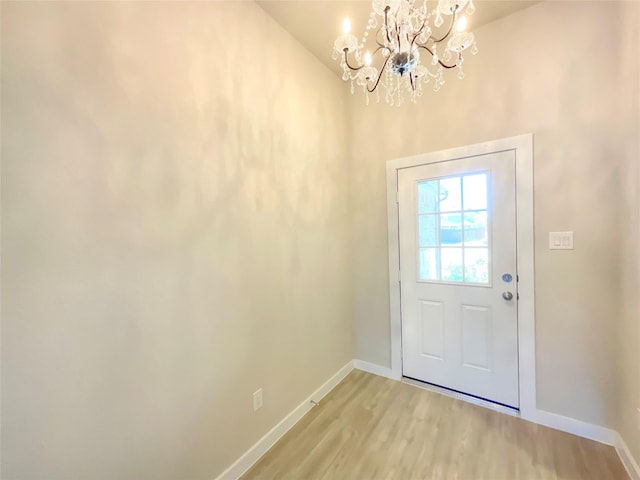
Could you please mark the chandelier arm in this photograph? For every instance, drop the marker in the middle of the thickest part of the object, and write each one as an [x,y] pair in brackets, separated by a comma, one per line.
[439,61]
[346,60]
[418,33]
[379,76]
[355,69]
[377,35]
[453,22]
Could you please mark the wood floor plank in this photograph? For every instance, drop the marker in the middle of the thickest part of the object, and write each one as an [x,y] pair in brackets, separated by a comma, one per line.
[371,427]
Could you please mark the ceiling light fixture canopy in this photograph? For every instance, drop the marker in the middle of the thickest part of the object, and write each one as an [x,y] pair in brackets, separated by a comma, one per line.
[406,33]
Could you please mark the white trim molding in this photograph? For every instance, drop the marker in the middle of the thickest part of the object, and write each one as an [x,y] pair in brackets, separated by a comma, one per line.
[251,456]
[575,427]
[630,463]
[375,369]
[522,146]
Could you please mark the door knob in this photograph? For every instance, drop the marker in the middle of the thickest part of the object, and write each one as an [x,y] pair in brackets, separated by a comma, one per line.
[507,295]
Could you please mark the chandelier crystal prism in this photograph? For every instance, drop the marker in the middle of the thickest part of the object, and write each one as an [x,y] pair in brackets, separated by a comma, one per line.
[412,46]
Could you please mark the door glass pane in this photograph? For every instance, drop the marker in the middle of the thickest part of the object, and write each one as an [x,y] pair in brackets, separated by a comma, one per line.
[476,265]
[428,230]
[475,191]
[475,229]
[452,264]
[428,196]
[429,263]
[451,229]
[450,194]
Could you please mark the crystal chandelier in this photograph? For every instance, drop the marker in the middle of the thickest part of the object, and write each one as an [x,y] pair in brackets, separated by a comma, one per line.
[406,32]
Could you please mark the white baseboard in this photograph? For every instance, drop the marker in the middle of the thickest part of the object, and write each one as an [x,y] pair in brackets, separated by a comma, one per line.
[576,427]
[251,456]
[375,369]
[630,463]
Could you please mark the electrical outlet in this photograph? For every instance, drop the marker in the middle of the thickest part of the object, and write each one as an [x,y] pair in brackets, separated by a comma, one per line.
[257,399]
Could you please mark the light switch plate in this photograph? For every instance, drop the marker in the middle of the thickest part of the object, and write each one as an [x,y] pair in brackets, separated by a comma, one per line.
[560,240]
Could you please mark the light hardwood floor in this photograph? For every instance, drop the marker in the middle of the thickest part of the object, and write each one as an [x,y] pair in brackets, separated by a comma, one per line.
[370,427]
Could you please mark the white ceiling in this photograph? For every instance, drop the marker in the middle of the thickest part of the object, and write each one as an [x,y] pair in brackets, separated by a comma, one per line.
[317,23]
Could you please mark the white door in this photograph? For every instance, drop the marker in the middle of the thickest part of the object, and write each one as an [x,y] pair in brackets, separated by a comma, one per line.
[457,226]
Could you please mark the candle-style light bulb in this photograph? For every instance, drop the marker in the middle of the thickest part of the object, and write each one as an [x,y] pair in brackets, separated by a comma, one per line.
[462,24]
[367,59]
[346,26]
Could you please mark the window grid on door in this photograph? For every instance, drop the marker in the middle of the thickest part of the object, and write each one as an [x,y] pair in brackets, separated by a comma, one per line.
[453,226]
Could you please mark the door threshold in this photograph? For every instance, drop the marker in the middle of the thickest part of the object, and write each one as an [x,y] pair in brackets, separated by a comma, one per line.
[514,412]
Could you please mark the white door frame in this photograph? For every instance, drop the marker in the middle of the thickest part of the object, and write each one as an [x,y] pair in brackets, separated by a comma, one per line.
[522,146]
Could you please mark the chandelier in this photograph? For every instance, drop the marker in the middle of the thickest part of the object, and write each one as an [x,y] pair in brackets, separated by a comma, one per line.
[406,34]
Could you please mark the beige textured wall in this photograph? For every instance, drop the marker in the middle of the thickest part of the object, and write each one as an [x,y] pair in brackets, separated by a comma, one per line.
[553,70]
[174,235]
[629,380]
